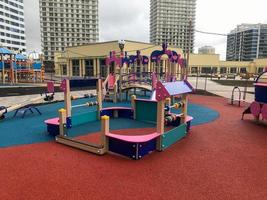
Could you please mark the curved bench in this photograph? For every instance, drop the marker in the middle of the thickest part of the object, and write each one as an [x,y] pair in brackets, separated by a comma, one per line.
[52,126]
[134,138]
[135,146]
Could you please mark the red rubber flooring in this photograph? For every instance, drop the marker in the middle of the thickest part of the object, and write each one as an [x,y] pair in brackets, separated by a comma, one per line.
[225,159]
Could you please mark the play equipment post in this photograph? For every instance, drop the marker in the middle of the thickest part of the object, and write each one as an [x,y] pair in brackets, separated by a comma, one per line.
[62,121]
[104,131]
[133,98]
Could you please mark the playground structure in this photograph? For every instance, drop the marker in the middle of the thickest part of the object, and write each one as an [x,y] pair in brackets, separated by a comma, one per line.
[157,111]
[16,68]
[29,105]
[134,72]
[258,108]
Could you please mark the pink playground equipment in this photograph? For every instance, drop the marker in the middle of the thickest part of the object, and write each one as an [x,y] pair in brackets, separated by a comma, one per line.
[258,108]
[168,65]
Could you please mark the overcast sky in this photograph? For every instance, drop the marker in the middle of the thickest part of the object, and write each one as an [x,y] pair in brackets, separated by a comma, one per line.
[129,19]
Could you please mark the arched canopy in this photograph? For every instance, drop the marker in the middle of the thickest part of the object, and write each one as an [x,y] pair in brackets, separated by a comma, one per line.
[172,55]
[143,59]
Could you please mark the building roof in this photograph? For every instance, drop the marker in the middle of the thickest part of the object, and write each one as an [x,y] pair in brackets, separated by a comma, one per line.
[102,49]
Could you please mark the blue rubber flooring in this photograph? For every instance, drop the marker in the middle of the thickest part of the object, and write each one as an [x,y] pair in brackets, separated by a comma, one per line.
[32,129]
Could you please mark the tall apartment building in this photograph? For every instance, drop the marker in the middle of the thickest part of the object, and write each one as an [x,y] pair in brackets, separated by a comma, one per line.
[170,22]
[67,23]
[247,42]
[12,27]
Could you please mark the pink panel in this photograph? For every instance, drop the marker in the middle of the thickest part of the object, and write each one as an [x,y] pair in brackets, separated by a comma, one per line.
[132,77]
[255,108]
[161,92]
[264,111]
[134,138]
[154,80]
[261,84]
[53,121]
[117,108]
[63,85]
[111,81]
[50,87]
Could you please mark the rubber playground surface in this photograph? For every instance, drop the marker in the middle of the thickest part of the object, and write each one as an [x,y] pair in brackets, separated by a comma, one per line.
[32,129]
[222,158]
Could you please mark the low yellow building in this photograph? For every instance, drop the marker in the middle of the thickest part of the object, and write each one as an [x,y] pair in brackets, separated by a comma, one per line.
[211,63]
[89,60]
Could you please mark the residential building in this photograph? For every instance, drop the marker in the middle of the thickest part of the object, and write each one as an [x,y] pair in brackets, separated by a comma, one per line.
[12,27]
[67,23]
[206,50]
[173,22]
[247,42]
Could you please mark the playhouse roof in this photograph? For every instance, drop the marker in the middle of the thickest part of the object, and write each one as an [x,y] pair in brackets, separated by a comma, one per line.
[164,90]
[178,87]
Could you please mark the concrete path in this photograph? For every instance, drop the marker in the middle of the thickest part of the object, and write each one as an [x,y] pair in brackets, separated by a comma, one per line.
[202,83]
[220,90]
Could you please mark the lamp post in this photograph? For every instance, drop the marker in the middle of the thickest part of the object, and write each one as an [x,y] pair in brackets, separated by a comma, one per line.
[121,46]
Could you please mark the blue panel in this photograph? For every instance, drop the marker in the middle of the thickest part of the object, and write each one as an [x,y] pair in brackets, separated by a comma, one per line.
[106,112]
[261,94]
[69,123]
[37,66]
[188,126]
[53,129]
[83,82]
[1,65]
[146,147]
[125,113]
[127,149]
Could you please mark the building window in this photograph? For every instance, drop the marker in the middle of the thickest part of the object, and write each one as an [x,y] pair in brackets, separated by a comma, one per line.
[75,67]
[63,69]
[223,70]
[103,68]
[233,70]
[260,70]
[206,70]
[243,70]
[89,67]
[194,70]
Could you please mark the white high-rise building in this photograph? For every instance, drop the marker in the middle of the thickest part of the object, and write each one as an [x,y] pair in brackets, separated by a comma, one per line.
[173,22]
[67,23]
[247,42]
[12,27]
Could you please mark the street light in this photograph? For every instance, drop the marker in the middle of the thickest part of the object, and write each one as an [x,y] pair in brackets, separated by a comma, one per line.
[121,46]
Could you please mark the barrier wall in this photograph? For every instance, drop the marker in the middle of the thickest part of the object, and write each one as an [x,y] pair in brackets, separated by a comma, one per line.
[146,111]
[84,118]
